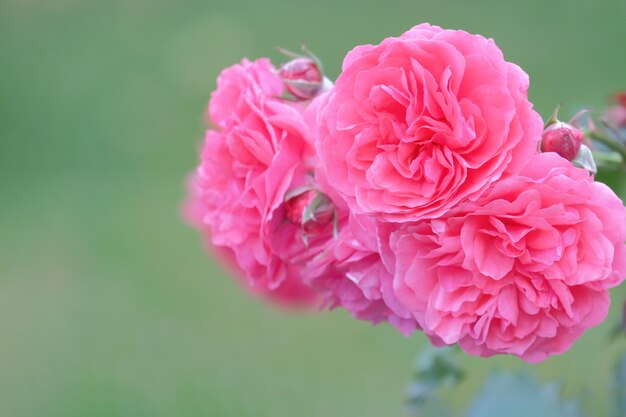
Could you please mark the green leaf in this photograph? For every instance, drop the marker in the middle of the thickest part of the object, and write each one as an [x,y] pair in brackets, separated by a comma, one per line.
[314,57]
[289,54]
[431,408]
[607,160]
[554,118]
[609,142]
[520,395]
[434,369]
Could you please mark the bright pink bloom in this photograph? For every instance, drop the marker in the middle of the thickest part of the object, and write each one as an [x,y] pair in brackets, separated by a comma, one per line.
[417,124]
[348,272]
[523,270]
[262,150]
[241,86]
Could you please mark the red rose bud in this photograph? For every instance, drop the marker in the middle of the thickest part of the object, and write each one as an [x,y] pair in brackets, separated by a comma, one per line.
[563,139]
[303,77]
[620,98]
[310,209]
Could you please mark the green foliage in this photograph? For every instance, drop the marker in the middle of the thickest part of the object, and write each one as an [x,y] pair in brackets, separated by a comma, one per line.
[434,369]
[520,395]
[503,394]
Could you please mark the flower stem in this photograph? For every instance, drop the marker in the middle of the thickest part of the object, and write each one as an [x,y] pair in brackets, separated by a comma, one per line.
[611,161]
[610,143]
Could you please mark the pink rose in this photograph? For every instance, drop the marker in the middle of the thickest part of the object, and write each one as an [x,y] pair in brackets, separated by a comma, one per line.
[341,261]
[348,272]
[417,124]
[523,270]
[262,150]
[240,85]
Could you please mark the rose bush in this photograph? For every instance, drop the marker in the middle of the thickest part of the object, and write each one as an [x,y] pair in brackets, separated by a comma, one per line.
[412,192]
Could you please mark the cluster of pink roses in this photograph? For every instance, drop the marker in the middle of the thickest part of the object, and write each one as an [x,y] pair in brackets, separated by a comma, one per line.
[411,191]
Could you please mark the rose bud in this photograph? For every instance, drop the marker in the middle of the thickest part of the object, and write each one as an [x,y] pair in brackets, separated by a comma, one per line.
[310,209]
[620,98]
[303,77]
[563,139]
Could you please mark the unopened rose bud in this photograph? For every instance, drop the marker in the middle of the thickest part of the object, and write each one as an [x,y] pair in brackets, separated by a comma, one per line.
[310,209]
[620,98]
[563,139]
[303,77]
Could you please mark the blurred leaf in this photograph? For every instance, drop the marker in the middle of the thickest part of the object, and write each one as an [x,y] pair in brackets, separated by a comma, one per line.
[608,161]
[519,395]
[433,407]
[435,368]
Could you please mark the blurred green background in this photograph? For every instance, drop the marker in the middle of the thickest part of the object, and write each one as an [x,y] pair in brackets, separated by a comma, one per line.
[108,304]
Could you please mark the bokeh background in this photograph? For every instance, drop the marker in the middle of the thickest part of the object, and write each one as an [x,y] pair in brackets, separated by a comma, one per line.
[109,305]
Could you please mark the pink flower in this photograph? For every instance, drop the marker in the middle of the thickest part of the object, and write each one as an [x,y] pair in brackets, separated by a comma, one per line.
[241,85]
[417,124]
[348,272]
[262,150]
[523,270]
